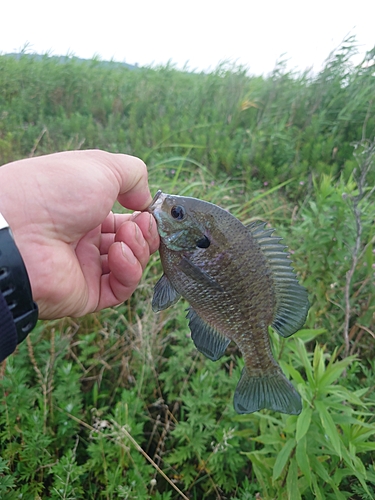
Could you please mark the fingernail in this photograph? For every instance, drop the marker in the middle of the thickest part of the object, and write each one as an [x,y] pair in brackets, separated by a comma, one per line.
[139,236]
[128,254]
[135,215]
[151,224]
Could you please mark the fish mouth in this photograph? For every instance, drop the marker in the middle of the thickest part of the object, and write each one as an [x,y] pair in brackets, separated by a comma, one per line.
[156,202]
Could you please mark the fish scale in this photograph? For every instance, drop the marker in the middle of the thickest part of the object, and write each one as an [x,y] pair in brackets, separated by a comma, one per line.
[238,280]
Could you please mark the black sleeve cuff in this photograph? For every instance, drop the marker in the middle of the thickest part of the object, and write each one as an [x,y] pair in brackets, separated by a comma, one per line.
[15,291]
[8,331]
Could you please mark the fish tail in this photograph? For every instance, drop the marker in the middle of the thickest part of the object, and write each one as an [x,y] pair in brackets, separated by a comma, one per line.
[271,391]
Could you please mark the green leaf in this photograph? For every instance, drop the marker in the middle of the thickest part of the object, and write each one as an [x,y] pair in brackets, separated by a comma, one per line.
[319,495]
[369,256]
[318,363]
[290,370]
[301,349]
[274,439]
[357,467]
[282,458]
[329,427]
[303,422]
[262,472]
[333,372]
[351,397]
[255,199]
[292,481]
[308,335]
[319,469]
[354,462]
[302,458]
[363,447]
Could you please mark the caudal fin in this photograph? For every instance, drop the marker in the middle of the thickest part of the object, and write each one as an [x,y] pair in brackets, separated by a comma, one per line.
[273,392]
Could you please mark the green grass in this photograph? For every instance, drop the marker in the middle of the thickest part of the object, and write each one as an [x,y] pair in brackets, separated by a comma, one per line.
[120,404]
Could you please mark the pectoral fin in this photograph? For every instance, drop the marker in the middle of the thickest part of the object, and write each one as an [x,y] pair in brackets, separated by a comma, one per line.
[198,275]
[165,295]
[207,340]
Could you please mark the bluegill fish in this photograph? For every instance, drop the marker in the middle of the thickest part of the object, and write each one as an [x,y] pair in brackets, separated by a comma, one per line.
[238,280]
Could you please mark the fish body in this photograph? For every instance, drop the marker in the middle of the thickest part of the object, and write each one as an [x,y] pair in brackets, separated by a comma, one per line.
[238,280]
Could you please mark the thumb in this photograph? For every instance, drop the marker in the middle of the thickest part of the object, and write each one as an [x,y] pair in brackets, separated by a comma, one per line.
[132,175]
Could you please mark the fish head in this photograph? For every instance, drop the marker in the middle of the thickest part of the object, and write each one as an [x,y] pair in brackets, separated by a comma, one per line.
[179,221]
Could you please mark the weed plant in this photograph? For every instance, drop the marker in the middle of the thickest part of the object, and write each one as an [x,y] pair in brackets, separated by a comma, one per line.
[119,404]
[263,129]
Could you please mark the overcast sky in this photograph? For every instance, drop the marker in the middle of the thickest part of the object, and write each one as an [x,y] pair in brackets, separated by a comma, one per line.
[201,33]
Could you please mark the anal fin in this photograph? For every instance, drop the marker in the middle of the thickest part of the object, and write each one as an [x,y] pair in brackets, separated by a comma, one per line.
[270,391]
[207,339]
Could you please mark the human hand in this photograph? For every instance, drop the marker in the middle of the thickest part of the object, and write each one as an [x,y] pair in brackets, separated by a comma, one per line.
[80,257]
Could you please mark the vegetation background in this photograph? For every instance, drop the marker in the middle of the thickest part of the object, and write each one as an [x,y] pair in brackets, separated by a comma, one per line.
[120,405]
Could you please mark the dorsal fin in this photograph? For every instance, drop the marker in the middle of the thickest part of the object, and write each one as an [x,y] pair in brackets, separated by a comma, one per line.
[291,298]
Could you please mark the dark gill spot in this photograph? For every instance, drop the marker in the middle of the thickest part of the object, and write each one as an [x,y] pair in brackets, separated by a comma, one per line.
[203,242]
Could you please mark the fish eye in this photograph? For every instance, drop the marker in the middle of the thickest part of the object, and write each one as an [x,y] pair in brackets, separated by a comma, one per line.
[178,212]
[203,242]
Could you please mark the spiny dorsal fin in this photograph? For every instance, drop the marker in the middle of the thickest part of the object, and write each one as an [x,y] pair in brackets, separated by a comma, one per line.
[292,304]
